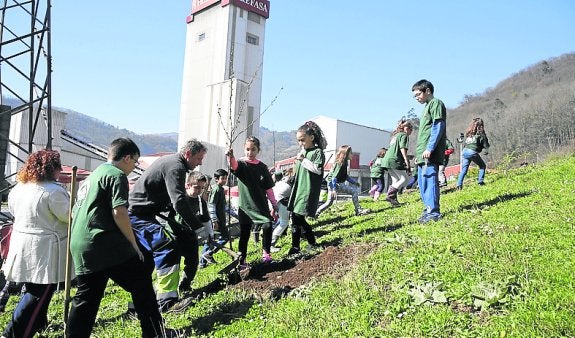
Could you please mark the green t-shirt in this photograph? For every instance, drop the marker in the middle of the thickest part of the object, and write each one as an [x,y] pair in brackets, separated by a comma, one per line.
[377,170]
[304,197]
[218,199]
[477,142]
[393,158]
[254,181]
[434,110]
[96,242]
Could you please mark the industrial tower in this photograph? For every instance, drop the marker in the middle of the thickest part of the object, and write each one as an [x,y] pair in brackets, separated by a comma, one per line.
[223,66]
[25,84]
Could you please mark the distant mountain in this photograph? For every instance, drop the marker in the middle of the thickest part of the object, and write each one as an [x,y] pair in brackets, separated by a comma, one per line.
[101,133]
[527,116]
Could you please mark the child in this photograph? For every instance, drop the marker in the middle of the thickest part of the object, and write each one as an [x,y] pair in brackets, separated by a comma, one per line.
[217,208]
[308,175]
[397,162]
[255,188]
[377,172]
[103,245]
[282,191]
[448,151]
[430,148]
[339,181]
[475,141]
[195,185]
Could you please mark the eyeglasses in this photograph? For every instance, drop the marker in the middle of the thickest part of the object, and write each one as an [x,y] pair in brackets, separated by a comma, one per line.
[136,162]
[416,94]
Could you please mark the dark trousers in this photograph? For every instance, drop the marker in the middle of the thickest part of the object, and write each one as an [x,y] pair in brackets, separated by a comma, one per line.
[31,313]
[187,244]
[133,276]
[299,225]
[246,229]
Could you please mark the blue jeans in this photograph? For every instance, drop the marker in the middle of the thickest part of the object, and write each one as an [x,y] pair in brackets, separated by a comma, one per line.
[429,188]
[31,313]
[468,157]
[346,188]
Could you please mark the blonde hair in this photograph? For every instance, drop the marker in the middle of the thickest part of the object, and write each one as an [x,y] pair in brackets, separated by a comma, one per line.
[343,154]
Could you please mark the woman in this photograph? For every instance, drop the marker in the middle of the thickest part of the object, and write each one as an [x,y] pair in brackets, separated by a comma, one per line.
[37,255]
[475,142]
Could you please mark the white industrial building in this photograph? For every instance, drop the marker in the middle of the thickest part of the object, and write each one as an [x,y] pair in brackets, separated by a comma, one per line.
[222,77]
[365,141]
[71,151]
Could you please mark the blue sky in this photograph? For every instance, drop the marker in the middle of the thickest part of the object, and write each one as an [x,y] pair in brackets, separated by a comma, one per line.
[121,61]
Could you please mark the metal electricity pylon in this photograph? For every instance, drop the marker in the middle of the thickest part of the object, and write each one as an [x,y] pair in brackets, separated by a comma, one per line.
[25,79]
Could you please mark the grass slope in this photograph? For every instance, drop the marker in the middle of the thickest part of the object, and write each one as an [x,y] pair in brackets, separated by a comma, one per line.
[499,264]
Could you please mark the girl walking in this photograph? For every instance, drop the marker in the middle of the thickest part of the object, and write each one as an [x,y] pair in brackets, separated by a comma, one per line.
[308,174]
[475,142]
[255,189]
[338,180]
[397,162]
[377,172]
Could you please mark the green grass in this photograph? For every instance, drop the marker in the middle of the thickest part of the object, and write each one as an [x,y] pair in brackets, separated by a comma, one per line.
[499,264]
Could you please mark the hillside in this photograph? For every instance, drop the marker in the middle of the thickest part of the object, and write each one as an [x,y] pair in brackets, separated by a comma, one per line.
[101,133]
[498,264]
[528,115]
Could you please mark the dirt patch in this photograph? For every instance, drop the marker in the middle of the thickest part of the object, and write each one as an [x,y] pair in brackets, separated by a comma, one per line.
[282,276]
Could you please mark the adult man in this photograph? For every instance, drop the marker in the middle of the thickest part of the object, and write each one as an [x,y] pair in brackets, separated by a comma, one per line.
[163,186]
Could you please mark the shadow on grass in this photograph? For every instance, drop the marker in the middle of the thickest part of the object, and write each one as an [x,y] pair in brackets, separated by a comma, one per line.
[329,221]
[494,201]
[223,315]
[381,228]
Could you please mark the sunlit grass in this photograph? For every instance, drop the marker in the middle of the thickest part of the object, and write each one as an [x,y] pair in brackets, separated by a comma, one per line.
[503,258]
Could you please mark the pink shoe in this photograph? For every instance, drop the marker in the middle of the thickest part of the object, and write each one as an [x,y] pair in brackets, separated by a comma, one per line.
[267,258]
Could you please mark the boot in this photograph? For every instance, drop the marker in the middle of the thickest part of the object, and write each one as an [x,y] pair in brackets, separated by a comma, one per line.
[376,196]
[392,196]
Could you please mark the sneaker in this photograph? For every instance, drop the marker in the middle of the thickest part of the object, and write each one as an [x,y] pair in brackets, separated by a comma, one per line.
[293,251]
[274,249]
[208,257]
[459,187]
[361,211]
[267,258]
[202,265]
[428,218]
[442,185]
[481,183]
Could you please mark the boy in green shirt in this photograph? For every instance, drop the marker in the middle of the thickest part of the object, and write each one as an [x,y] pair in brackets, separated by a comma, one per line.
[103,246]
[430,148]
